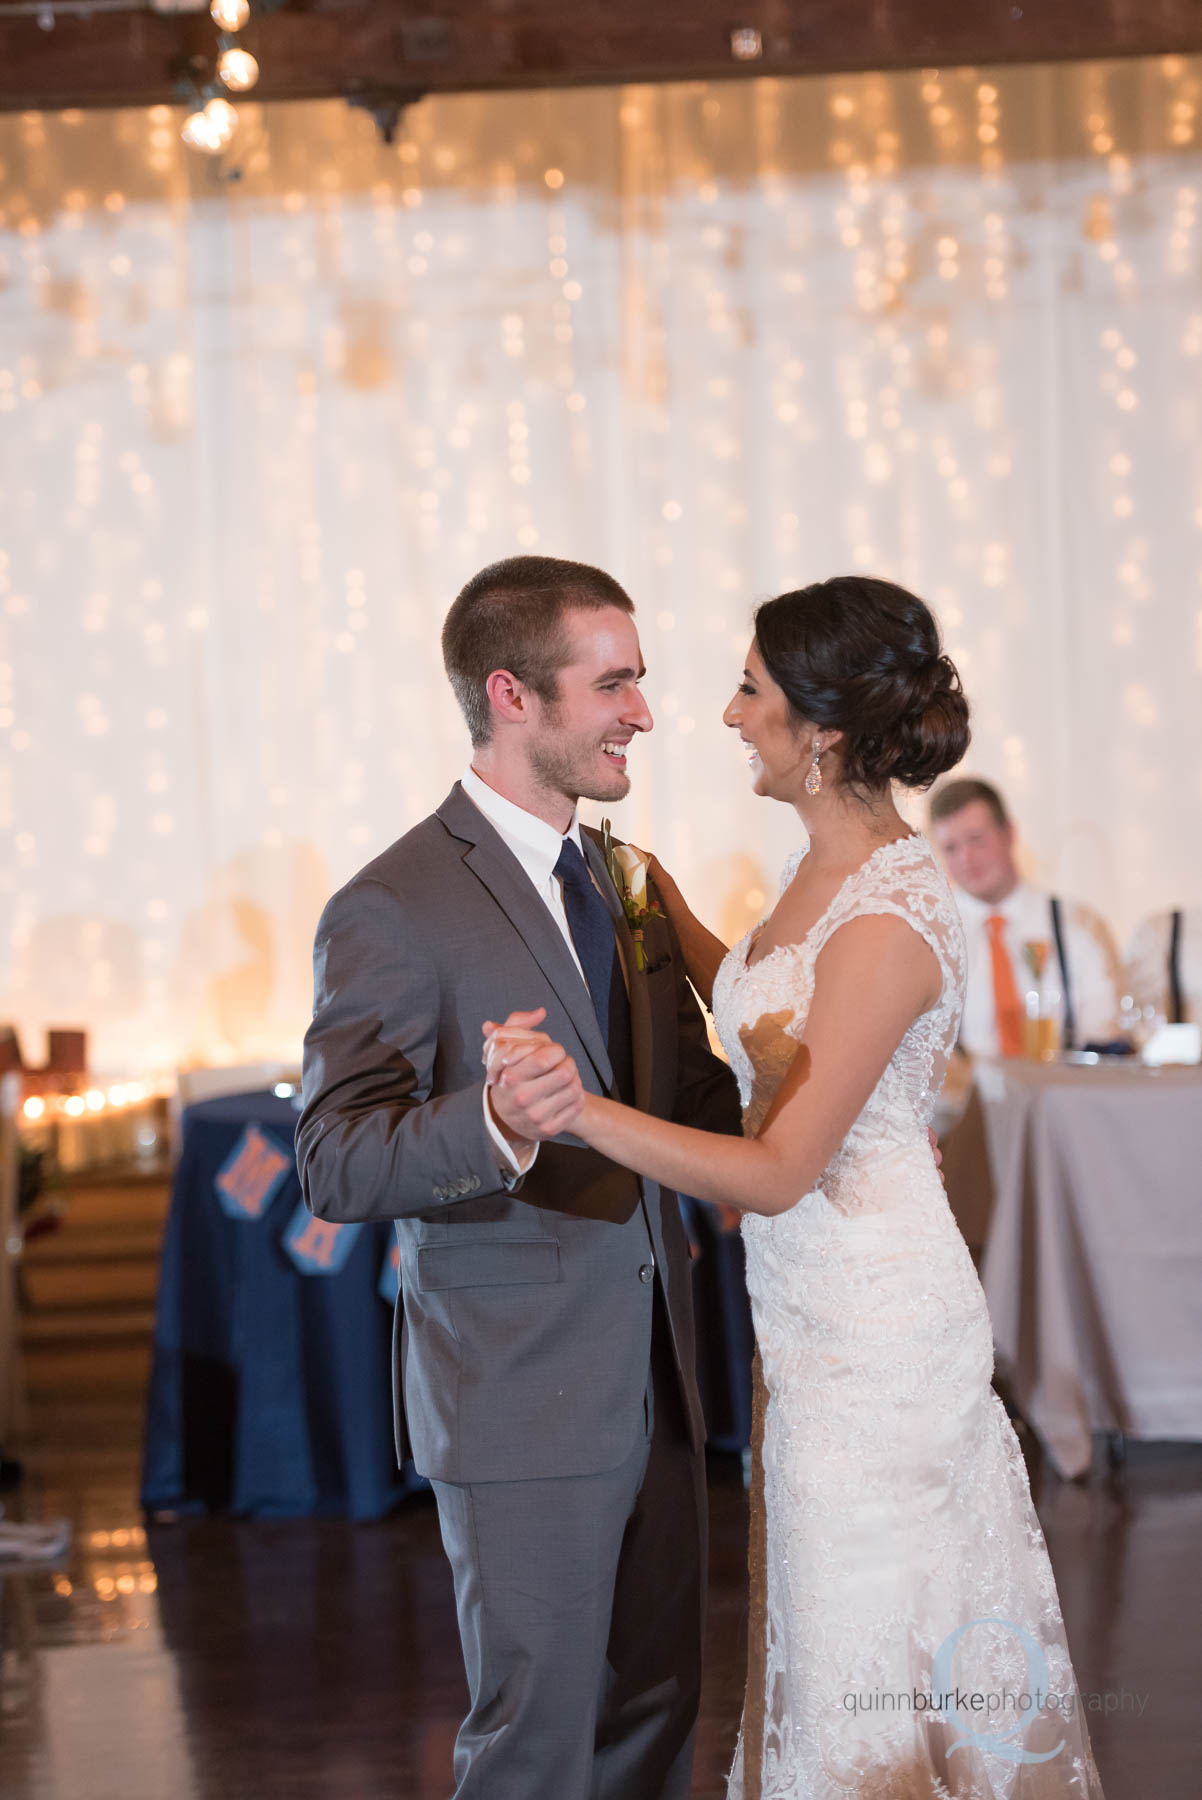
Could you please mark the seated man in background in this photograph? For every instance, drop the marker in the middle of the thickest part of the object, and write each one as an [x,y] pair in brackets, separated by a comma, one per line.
[1164,965]
[973,833]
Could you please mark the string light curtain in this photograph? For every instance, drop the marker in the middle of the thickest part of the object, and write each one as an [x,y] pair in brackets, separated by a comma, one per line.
[262,418]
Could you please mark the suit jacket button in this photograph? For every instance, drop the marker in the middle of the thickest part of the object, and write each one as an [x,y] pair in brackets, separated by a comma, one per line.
[647,1272]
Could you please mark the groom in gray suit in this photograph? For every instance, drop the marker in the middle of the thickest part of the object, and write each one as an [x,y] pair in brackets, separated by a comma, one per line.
[544,1334]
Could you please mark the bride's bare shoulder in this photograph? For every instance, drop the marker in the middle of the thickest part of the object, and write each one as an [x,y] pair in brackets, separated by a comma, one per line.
[874,951]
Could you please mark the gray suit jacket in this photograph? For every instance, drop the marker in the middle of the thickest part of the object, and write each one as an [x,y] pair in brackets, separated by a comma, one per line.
[523,1329]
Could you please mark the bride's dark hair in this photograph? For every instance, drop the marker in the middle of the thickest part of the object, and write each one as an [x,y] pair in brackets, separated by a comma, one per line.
[862,656]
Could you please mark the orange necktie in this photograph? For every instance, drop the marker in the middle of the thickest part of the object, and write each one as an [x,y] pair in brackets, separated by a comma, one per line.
[1007,1006]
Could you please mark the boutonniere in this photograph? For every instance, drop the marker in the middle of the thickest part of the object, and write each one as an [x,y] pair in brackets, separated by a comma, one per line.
[1035,955]
[628,872]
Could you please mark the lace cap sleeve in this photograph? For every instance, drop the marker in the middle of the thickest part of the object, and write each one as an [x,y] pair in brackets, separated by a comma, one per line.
[903,879]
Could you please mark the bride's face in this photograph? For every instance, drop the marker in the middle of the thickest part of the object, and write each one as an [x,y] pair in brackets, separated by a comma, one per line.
[777,750]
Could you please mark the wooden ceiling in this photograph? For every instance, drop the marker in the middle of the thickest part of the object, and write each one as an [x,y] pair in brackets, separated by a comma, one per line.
[60,53]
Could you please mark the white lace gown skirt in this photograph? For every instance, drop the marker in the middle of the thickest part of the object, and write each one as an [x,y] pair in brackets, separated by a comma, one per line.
[898,1512]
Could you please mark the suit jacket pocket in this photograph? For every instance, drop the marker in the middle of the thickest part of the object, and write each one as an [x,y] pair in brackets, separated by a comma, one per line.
[487,1262]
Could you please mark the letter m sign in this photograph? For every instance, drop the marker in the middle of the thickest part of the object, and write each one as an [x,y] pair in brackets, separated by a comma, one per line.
[251,1176]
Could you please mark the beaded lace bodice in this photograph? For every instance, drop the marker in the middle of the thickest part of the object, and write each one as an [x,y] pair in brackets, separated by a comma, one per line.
[760,1010]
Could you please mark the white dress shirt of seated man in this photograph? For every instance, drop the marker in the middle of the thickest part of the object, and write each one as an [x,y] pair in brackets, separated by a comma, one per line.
[975,836]
[1164,965]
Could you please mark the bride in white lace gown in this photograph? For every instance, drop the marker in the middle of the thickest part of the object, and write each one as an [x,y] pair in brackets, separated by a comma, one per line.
[906,1637]
[896,1500]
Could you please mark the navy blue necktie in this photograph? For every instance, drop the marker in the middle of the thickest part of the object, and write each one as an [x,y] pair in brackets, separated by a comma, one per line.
[592,929]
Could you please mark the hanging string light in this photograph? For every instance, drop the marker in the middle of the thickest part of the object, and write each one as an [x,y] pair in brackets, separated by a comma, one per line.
[230,15]
[210,128]
[223,120]
[211,125]
[238,70]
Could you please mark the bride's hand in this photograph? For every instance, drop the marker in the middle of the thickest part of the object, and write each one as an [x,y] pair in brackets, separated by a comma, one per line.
[640,870]
[659,878]
[703,952]
[512,1040]
[534,1087]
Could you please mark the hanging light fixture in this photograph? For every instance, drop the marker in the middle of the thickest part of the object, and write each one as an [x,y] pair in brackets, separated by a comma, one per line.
[222,118]
[230,15]
[209,128]
[199,133]
[238,70]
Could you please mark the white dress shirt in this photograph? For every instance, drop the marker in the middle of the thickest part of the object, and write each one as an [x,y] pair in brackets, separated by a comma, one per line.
[1147,971]
[537,847]
[1092,964]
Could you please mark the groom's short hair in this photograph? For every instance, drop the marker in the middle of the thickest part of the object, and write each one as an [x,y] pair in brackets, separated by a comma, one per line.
[512,616]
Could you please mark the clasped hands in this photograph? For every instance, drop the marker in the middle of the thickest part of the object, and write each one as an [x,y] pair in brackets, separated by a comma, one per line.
[535,1089]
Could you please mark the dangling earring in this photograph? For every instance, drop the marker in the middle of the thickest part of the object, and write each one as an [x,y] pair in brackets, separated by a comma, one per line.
[814,777]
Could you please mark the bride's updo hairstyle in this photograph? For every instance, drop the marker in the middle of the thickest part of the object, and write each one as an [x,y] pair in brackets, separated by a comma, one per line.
[863,657]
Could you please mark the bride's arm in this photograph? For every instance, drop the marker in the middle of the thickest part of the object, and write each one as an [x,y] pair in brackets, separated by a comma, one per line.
[872,980]
[702,951]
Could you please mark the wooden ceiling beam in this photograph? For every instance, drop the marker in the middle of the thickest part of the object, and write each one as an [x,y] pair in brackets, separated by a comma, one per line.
[314,49]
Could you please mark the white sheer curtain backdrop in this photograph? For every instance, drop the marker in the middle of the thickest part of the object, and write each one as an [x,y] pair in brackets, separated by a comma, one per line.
[260,421]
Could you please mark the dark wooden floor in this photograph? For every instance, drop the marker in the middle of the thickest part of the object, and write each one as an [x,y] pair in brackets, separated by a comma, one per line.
[314,1660]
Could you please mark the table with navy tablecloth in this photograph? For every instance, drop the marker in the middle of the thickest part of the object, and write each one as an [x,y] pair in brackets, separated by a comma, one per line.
[270,1391]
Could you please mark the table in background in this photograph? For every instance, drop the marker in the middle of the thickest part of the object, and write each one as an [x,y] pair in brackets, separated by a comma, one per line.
[270,1389]
[1092,1263]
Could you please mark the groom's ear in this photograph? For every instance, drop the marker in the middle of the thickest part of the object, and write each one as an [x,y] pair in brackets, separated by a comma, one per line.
[509,697]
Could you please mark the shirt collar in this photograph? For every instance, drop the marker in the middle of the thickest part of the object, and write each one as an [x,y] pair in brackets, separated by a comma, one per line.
[535,843]
[975,912]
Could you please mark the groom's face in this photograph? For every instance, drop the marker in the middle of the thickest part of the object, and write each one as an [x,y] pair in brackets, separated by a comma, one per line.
[579,740]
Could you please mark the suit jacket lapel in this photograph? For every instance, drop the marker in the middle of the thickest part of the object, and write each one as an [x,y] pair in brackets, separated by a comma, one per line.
[494,864]
[641,1032]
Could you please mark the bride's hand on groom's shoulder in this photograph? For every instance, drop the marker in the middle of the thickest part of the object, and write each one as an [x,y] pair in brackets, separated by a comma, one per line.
[703,952]
[534,1085]
[659,879]
[664,896]
[641,870]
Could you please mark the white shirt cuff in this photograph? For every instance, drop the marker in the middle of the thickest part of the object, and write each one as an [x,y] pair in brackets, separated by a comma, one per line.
[513,1159]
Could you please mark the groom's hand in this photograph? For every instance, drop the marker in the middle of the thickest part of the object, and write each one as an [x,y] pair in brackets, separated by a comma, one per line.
[534,1087]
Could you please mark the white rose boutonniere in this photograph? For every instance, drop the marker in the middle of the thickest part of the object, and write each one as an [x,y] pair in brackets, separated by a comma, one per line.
[628,871]
[634,865]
